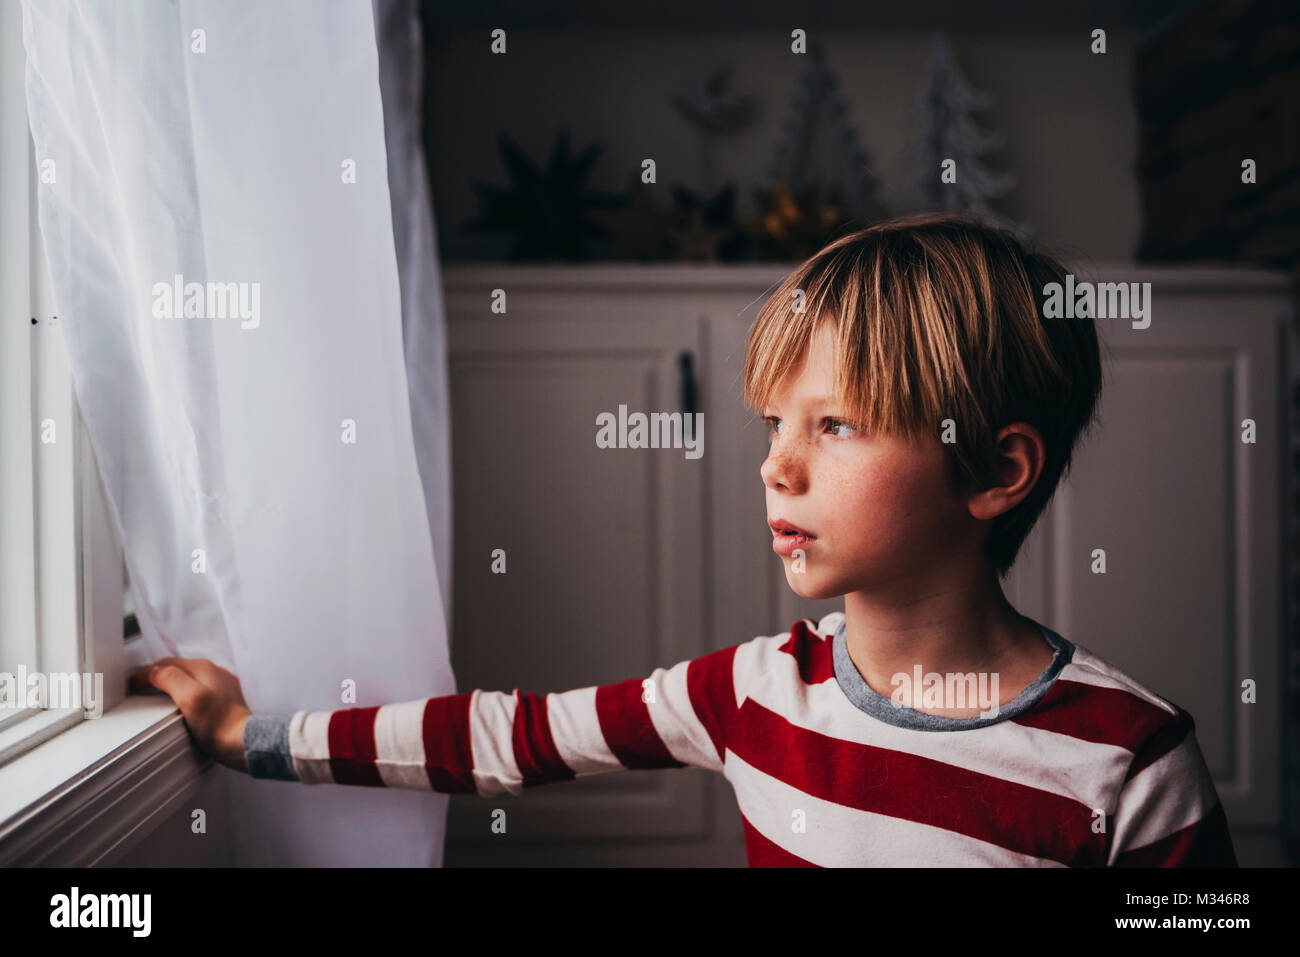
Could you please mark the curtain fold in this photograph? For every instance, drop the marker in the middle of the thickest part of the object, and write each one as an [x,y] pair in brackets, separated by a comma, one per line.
[215,209]
[424,324]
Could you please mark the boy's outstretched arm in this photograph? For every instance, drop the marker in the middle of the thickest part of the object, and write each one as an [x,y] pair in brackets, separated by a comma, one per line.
[482,742]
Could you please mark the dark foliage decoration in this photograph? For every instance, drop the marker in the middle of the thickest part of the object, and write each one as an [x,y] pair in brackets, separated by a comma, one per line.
[640,230]
[549,210]
[707,228]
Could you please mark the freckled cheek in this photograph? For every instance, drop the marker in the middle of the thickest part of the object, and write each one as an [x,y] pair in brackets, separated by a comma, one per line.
[861,511]
[880,512]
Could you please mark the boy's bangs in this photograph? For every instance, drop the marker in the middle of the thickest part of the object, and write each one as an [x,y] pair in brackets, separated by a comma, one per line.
[872,379]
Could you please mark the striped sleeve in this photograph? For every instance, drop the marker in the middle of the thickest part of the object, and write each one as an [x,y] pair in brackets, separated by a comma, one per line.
[1169,813]
[489,742]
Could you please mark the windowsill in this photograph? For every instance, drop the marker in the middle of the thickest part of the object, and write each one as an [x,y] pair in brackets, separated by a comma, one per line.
[90,791]
[31,732]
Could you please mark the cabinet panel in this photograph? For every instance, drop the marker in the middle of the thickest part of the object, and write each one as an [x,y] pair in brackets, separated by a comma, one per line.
[605,549]
[1188,516]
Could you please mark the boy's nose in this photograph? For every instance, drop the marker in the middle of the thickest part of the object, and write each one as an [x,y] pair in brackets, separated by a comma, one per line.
[780,471]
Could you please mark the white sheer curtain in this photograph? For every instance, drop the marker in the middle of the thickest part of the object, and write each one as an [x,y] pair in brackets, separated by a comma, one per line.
[261,470]
[401,79]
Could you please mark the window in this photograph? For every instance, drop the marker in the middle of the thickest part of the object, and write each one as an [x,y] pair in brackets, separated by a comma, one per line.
[62,579]
[70,757]
[41,646]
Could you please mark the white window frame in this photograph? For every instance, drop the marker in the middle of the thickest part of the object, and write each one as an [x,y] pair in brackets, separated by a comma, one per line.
[75,789]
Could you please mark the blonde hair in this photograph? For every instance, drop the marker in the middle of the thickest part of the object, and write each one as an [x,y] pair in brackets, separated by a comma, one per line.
[937,317]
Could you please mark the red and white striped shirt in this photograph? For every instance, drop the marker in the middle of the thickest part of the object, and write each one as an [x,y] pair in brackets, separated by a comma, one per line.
[1085,768]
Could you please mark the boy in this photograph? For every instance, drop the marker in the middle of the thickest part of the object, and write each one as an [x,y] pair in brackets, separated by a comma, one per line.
[921,412]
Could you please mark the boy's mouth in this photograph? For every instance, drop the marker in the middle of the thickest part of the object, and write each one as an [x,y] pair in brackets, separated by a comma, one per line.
[780,526]
[786,536]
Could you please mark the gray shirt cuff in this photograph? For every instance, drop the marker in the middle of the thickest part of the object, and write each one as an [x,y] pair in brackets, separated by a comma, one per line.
[266,747]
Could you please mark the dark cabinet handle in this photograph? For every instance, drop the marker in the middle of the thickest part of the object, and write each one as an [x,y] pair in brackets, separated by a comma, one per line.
[690,396]
[686,376]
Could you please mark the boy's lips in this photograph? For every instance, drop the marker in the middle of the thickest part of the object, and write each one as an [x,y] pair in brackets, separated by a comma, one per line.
[780,526]
[787,536]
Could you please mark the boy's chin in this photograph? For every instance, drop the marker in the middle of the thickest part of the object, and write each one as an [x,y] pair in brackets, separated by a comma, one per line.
[812,587]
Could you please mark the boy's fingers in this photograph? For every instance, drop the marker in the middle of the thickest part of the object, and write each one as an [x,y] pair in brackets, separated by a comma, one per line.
[202,668]
[151,677]
[139,680]
[176,681]
[205,672]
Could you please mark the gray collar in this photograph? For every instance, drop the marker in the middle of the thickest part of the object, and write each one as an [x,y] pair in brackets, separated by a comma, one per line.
[878,706]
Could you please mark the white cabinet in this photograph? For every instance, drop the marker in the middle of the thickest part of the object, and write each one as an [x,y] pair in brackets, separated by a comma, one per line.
[622,560]
[1191,519]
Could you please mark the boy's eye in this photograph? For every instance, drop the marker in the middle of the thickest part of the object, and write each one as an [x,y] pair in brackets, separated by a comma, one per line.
[841,427]
[841,424]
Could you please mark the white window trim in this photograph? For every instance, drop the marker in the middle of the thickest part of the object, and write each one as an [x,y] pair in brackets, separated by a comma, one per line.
[80,789]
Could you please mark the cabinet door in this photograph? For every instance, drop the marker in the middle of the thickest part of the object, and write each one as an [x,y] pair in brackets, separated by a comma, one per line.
[605,549]
[1188,517]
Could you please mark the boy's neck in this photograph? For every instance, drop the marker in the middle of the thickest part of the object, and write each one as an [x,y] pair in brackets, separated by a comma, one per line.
[949,631]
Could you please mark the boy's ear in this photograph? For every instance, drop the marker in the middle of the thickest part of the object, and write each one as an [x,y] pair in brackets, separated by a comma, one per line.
[1018,459]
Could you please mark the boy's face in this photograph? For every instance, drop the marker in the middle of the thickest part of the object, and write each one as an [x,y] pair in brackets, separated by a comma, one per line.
[880,509]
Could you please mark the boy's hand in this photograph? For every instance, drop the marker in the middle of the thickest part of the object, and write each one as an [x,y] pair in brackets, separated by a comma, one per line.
[209,697]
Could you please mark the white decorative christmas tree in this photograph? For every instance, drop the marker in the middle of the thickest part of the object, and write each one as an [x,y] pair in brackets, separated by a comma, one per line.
[948,133]
[819,147]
